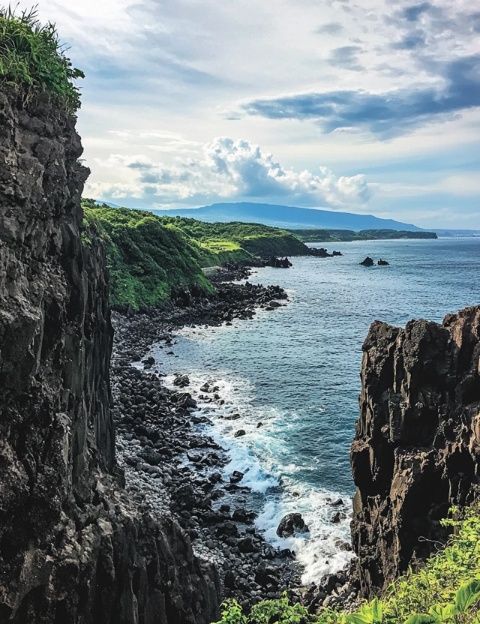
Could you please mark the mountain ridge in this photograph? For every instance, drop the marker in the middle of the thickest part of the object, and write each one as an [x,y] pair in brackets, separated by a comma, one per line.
[287,216]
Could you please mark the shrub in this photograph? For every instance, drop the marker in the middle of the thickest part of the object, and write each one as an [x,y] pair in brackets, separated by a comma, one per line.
[446,590]
[32,57]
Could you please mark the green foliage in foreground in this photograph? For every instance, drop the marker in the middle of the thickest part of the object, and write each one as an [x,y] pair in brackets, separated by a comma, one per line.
[31,57]
[323,236]
[147,260]
[446,590]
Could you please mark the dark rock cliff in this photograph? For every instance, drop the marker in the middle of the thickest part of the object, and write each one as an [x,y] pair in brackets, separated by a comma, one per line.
[417,446]
[72,548]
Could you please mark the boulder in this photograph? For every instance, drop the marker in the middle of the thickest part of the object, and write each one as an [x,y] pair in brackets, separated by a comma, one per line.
[291,524]
[236,476]
[368,262]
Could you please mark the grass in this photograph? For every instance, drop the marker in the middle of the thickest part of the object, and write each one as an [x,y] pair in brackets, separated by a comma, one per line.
[147,260]
[32,57]
[445,590]
[253,238]
[149,257]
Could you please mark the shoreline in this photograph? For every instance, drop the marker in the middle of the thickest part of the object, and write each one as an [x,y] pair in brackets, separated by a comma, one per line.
[183,473]
[173,467]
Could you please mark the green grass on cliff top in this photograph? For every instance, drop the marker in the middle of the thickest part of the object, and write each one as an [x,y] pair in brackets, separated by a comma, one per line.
[31,57]
[446,590]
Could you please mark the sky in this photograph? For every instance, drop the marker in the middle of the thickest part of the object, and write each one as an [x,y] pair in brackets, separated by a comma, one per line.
[369,106]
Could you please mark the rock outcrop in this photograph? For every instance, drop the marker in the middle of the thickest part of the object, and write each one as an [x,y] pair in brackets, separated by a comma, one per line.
[73,549]
[417,445]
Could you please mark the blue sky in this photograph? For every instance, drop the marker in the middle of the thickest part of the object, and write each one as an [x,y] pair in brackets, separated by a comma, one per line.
[371,106]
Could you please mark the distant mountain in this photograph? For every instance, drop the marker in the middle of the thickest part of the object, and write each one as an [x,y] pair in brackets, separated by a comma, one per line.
[288,217]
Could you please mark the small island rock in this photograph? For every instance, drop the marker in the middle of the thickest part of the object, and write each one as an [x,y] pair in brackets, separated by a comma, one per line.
[368,262]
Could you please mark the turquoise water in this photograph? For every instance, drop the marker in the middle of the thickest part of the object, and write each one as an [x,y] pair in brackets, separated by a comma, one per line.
[296,370]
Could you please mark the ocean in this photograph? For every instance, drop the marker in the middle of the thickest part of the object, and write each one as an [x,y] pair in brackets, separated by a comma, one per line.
[296,371]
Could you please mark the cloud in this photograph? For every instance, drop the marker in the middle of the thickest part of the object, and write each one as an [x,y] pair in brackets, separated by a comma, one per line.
[346,57]
[331,28]
[414,11]
[410,41]
[230,169]
[391,113]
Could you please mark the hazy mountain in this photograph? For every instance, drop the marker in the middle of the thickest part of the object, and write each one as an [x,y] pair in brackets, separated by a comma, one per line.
[288,216]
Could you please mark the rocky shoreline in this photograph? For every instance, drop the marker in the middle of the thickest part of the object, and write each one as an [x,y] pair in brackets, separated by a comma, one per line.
[173,465]
[176,469]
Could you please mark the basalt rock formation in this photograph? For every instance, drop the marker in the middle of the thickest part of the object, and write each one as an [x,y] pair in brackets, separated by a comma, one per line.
[73,548]
[417,445]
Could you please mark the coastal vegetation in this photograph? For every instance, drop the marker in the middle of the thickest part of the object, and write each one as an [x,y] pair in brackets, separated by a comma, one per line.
[252,238]
[147,259]
[151,257]
[336,236]
[31,57]
[445,590]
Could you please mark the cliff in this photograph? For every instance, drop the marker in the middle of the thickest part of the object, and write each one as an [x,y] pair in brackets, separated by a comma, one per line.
[147,261]
[73,548]
[417,445]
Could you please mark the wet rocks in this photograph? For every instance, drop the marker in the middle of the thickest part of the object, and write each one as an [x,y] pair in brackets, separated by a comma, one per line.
[240,433]
[368,262]
[182,381]
[189,482]
[278,263]
[321,252]
[291,524]
[382,262]
[236,476]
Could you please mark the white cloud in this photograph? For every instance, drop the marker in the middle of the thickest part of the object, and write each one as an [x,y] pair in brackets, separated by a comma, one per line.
[230,169]
[160,75]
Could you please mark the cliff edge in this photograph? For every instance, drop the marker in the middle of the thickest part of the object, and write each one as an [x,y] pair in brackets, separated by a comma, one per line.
[417,445]
[72,546]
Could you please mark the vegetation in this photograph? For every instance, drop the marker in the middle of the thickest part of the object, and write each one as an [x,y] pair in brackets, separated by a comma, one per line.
[445,590]
[253,238]
[147,259]
[149,256]
[317,236]
[32,57]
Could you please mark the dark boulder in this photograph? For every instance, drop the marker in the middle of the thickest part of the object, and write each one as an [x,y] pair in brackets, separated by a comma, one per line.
[236,476]
[368,262]
[278,263]
[290,524]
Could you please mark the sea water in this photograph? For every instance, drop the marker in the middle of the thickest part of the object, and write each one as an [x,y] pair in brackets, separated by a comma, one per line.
[296,371]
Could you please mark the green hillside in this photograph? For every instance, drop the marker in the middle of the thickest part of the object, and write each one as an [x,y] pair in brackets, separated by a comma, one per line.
[149,256]
[147,259]
[256,239]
